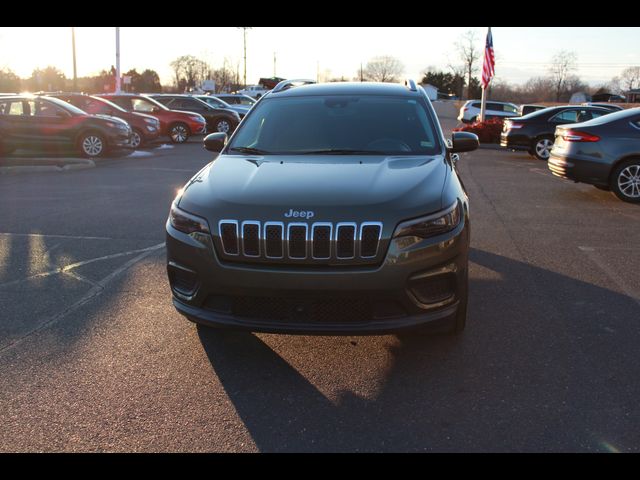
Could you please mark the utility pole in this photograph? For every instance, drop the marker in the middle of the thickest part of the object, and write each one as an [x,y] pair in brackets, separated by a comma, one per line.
[361,78]
[274,64]
[73,47]
[245,53]
[117,59]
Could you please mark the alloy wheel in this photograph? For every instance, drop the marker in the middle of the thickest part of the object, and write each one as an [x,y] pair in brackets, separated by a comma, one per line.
[629,181]
[543,148]
[223,126]
[136,140]
[92,145]
[179,134]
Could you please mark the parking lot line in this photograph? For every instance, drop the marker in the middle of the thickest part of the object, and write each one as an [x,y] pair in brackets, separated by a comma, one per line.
[94,292]
[76,237]
[71,266]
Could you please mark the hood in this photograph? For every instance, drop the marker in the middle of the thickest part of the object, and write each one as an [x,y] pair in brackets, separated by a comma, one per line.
[352,188]
[111,119]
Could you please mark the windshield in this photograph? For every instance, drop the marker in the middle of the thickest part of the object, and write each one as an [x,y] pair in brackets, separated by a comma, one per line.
[341,124]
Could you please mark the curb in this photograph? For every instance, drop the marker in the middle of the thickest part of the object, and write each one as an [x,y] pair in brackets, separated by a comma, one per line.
[76,165]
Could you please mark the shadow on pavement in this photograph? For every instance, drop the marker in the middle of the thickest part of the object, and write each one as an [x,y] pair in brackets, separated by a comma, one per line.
[544,365]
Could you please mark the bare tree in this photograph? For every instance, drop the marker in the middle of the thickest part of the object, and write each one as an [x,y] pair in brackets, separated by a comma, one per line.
[469,55]
[189,71]
[630,78]
[383,69]
[563,64]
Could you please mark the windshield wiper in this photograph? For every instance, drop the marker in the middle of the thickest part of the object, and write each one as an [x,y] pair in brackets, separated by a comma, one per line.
[342,151]
[250,150]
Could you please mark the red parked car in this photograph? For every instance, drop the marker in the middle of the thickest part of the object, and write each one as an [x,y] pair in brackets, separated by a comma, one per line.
[178,125]
[146,128]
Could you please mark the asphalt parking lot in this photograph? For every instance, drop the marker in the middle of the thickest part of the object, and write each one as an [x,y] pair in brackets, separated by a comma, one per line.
[93,356]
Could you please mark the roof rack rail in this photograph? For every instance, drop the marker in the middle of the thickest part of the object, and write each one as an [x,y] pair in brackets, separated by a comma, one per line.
[286,84]
[411,84]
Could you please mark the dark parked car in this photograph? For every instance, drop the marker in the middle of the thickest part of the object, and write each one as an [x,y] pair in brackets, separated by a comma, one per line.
[145,128]
[178,125]
[604,152]
[535,132]
[218,119]
[48,123]
[527,109]
[334,208]
[215,102]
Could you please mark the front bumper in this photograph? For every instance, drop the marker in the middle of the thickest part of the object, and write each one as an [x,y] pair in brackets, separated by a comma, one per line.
[120,139]
[308,300]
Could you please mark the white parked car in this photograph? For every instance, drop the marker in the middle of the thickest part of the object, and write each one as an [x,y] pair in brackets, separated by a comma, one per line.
[470,111]
[254,91]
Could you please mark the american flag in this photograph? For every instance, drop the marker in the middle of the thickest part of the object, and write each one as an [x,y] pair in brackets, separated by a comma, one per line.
[488,67]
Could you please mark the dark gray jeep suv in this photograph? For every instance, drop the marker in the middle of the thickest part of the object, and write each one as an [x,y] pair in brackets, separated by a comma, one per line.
[333,209]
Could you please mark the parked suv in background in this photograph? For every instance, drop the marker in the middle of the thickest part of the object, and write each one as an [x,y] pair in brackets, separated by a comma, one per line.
[215,102]
[145,128]
[604,152]
[470,111]
[535,132]
[334,208]
[178,125]
[28,121]
[218,119]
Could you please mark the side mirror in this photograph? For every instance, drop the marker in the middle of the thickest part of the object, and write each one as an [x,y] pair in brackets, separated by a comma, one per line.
[464,142]
[215,142]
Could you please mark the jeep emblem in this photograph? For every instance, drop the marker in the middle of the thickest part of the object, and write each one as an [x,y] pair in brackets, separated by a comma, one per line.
[308,214]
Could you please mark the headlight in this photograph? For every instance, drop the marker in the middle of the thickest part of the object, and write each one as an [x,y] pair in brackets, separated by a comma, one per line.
[152,121]
[432,225]
[186,222]
[198,118]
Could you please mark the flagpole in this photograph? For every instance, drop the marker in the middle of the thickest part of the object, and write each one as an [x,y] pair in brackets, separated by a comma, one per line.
[483,104]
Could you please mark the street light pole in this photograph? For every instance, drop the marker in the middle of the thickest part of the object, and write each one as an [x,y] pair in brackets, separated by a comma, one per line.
[73,47]
[117,59]
[245,54]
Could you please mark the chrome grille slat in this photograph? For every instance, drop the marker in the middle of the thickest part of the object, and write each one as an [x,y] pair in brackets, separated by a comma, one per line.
[300,241]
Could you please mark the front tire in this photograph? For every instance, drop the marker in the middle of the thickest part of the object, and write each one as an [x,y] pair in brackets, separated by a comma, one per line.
[137,140]
[179,132]
[224,125]
[542,148]
[92,145]
[625,181]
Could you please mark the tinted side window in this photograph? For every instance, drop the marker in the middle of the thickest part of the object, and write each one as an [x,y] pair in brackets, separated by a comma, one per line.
[476,105]
[510,109]
[565,116]
[94,106]
[123,102]
[46,109]
[12,108]
[142,105]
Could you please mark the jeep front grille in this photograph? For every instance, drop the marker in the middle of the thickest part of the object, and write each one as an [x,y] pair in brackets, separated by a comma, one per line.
[276,242]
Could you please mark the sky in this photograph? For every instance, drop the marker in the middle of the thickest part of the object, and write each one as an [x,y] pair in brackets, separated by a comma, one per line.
[302,52]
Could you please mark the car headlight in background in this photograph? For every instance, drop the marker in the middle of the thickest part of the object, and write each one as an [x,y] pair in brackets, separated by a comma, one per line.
[431,225]
[198,118]
[186,222]
[152,121]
